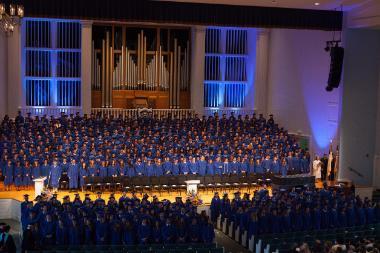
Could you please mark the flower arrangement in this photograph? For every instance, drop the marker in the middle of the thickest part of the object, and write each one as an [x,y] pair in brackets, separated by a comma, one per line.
[194,198]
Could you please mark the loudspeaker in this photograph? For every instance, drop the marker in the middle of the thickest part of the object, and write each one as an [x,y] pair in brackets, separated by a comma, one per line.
[336,65]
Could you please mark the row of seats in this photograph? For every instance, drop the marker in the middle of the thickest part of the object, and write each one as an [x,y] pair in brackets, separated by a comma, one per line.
[152,248]
[176,183]
[284,241]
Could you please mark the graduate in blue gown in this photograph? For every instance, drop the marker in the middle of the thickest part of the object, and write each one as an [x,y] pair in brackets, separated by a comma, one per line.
[284,168]
[258,167]
[27,174]
[194,231]
[129,233]
[61,234]
[48,230]
[218,166]
[184,167]
[101,229]
[275,167]
[175,167]
[182,231]
[88,233]
[158,170]
[202,166]
[92,168]
[74,232]
[112,169]
[251,166]
[102,169]
[267,164]
[210,169]
[167,166]
[140,168]
[193,165]
[115,234]
[36,170]
[144,232]
[149,168]
[55,174]
[73,174]
[168,232]
[208,234]
[8,175]
[156,233]
[83,174]
[234,166]
[215,207]
[18,175]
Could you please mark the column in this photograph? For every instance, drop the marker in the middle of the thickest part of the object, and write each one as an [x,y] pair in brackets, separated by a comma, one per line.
[261,73]
[3,75]
[15,91]
[86,66]
[198,36]
[251,70]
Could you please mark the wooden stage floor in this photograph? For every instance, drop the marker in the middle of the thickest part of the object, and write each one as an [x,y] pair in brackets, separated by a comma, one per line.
[205,196]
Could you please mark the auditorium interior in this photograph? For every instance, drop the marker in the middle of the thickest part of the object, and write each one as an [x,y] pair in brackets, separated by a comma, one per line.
[205,126]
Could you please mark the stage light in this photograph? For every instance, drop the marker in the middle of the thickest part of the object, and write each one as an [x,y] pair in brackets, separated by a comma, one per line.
[316,4]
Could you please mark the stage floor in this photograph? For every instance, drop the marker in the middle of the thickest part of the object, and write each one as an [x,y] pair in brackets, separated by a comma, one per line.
[205,196]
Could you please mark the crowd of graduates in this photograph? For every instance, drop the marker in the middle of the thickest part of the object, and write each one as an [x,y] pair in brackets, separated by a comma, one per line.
[126,221]
[295,210]
[77,147]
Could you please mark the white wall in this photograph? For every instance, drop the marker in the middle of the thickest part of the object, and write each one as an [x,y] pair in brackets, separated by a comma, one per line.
[298,73]
[10,209]
[359,137]
[3,75]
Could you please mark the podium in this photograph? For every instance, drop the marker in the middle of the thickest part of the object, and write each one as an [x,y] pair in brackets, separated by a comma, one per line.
[192,185]
[38,185]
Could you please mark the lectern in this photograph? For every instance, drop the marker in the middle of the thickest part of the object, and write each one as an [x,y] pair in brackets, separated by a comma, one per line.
[38,185]
[192,186]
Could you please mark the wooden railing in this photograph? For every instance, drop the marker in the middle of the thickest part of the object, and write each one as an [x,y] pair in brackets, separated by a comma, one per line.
[134,113]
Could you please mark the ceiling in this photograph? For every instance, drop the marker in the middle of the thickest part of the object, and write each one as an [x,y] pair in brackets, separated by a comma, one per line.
[299,4]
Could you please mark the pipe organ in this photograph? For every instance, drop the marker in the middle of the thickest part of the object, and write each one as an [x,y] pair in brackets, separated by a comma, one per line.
[134,63]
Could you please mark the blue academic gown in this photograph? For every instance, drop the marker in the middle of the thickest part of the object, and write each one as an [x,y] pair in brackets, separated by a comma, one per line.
[175,169]
[82,173]
[210,169]
[144,233]
[184,168]
[215,208]
[208,233]
[167,168]
[275,167]
[101,233]
[36,172]
[27,179]
[74,235]
[284,170]
[158,170]
[18,174]
[193,168]
[202,168]
[73,174]
[55,175]
[61,236]
[140,169]
[128,236]
[168,233]
[8,173]
[103,171]
[111,171]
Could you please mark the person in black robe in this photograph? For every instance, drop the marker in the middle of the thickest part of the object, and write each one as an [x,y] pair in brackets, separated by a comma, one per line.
[324,161]
[7,243]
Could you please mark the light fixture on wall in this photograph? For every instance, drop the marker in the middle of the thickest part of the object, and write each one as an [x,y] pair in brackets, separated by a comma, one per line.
[8,21]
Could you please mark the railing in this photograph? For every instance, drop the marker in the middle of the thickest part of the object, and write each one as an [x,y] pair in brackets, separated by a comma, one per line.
[228,111]
[50,111]
[134,113]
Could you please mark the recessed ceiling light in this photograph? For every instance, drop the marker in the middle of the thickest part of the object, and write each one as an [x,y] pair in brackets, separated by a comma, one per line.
[316,4]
